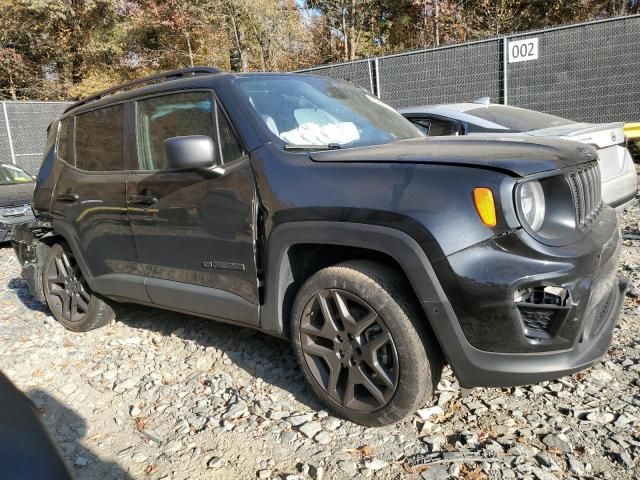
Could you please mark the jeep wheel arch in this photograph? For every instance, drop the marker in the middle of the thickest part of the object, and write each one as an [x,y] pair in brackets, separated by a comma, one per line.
[387,241]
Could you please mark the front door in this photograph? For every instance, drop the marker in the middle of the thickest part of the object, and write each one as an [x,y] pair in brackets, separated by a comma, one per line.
[193,230]
[89,201]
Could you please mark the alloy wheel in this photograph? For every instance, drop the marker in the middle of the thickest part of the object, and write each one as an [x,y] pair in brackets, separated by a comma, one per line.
[349,350]
[67,292]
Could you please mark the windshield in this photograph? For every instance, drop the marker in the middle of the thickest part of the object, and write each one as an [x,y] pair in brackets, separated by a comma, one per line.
[10,174]
[518,119]
[315,111]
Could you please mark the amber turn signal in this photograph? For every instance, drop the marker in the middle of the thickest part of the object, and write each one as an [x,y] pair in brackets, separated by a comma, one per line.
[486,207]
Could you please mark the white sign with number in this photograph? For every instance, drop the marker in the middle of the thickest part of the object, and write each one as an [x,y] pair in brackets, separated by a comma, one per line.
[523,50]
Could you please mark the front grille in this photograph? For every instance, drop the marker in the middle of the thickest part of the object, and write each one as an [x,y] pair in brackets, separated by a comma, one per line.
[586,191]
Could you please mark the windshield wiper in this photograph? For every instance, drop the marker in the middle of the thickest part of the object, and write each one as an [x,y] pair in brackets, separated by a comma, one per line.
[329,146]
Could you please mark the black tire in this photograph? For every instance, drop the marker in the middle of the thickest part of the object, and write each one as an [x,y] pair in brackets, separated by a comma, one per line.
[67,294]
[378,336]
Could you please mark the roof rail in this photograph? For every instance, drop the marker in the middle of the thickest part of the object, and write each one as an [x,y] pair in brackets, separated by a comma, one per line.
[172,75]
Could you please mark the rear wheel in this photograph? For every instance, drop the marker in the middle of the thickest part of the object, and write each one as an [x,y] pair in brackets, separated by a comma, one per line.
[358,347]
[67,294]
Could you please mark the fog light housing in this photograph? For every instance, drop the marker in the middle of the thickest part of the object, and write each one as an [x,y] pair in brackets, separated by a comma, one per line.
[542,310]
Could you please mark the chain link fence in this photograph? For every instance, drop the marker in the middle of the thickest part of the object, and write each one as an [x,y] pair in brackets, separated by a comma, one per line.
[23,131]
[586,72]
[417,78]
[359,72]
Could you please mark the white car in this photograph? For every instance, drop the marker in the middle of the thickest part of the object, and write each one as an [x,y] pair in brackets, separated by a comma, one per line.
[618,173]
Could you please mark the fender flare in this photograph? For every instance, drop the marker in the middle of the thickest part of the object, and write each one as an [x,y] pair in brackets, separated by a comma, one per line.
[389,241]
[64,230]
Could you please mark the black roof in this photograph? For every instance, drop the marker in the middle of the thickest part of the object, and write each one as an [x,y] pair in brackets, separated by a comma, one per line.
[193,77]
[160,77]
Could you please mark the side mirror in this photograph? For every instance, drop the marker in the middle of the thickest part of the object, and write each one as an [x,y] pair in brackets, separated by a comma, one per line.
[190,152]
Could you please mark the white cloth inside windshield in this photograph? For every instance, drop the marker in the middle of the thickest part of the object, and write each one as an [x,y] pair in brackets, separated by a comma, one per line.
[318,127]
[315,127]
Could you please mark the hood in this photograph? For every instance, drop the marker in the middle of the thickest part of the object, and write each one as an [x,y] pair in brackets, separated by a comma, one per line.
[600,135]
[18,194]
[516,154]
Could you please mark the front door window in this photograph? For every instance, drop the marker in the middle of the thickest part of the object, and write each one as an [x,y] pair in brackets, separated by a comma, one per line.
[174,115]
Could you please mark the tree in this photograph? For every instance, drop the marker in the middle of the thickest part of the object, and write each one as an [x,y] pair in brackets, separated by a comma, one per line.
[65,49]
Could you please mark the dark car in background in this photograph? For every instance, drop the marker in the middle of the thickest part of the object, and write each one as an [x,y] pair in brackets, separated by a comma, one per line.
[481,117]
[16,190]
[307,208]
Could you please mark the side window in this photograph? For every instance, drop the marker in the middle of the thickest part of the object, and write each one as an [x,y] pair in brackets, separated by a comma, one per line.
[98,139]
[434,127]
[440,128]
[63,139]
[422,124]
[174,115]
[230,147]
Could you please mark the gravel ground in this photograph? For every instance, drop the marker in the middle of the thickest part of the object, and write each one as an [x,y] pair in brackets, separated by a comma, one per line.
[161,395]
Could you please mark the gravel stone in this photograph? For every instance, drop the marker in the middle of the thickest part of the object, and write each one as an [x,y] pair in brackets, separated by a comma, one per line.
[558,442]
[331,424]
[375,464]
[310,429]
[215,462]
[323,438]
[349,467]
[236,411]
[600,417]
[153,436]
[125,385]
[69,388]
[436,472]
[427,413]
[297,420]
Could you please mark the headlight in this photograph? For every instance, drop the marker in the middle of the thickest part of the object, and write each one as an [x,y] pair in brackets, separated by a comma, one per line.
[532,204]
[9,212]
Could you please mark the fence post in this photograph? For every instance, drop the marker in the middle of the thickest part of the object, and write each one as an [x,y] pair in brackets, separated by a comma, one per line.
[6,120]
[505,68]
[377,68]
[371,87]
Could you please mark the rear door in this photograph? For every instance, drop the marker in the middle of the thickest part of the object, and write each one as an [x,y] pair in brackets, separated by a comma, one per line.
[194,230]
[89,201]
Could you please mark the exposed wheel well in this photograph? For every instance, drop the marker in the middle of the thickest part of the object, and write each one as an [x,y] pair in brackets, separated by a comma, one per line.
[303,260]
[51,238]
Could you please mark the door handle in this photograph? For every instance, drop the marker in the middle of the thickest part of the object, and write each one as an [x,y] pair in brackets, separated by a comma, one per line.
[68,196]
[146,199]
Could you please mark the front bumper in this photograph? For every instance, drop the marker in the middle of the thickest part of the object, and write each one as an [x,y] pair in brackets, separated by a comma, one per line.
[7,225]
[485,337]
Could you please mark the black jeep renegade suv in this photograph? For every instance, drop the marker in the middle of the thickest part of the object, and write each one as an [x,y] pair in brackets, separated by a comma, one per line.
[307,208]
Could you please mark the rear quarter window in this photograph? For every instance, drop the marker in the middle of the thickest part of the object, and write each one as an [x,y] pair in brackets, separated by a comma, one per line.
[63,140]
[99,139]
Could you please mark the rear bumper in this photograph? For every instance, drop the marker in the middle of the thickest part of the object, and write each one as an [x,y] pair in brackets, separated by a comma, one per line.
[621,189]
[624,203]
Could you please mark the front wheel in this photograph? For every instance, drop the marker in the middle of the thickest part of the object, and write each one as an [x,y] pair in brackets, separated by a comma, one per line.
[357,335]
[67,294]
